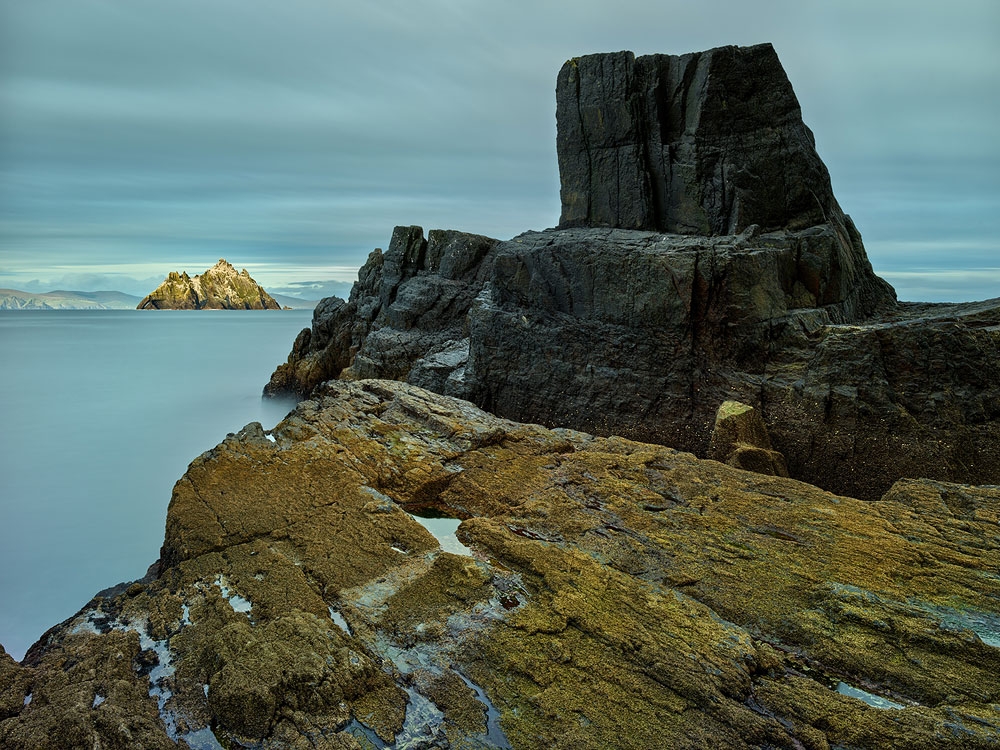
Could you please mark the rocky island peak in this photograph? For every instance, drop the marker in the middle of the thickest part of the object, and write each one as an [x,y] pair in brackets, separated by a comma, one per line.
[221,287]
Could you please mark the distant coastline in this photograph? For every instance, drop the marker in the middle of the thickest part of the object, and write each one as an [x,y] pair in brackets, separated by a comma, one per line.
[61,299]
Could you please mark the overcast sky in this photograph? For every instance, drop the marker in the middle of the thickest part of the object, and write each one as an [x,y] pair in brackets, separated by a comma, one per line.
[142,136]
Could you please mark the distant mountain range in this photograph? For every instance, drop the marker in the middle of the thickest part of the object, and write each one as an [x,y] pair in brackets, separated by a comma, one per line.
[15,299]
[295,302]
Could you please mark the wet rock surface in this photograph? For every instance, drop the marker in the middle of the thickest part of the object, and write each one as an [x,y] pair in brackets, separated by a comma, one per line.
[618,594]
[221,287]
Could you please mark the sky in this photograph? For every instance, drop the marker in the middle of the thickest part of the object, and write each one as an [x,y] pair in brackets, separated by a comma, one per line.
[143,136]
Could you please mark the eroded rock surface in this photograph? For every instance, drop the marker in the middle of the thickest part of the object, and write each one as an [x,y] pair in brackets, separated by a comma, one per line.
[619,594]
[221,287]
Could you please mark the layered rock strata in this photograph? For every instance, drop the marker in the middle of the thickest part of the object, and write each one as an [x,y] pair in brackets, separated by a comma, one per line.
[615,594]
[221,287]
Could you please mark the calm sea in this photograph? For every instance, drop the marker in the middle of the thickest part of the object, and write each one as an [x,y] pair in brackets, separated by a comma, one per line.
[100,413]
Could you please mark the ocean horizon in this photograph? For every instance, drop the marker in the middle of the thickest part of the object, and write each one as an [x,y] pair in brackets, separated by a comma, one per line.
[102,412]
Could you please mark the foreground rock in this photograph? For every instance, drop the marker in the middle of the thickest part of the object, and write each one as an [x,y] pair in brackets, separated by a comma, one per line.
[617,594]
[221,287]
[702,257]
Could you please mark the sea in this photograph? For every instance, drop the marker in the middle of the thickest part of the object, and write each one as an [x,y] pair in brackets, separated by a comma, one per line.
[101,411]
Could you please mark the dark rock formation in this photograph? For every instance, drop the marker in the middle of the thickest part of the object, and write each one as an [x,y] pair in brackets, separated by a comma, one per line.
[706,143]
[405,317]
[645,335]
[618,595]
[753,286]
[221,287]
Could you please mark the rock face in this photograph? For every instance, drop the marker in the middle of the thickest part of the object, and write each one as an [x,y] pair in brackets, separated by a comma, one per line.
[616,594]
[645,335]
[221,287]
[702,257]
[707,143]
[406,316]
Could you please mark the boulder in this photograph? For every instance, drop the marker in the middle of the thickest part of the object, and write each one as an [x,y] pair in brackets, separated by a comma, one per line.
[740,439]
[615,594]
[221,287]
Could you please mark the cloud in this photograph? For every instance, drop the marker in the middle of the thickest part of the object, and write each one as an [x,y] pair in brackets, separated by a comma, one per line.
[314,290]
[945,285]
[302,133]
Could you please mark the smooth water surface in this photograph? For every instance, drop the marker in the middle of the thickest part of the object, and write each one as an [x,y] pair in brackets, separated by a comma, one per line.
[101,412]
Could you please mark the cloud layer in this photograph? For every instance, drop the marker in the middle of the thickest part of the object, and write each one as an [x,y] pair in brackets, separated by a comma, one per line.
[149,136]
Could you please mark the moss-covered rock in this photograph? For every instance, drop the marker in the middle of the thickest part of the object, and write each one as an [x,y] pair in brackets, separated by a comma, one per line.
[619,594]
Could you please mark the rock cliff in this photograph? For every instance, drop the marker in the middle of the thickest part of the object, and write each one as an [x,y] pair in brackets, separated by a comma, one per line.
[221,287]
[706,143]
[612,594]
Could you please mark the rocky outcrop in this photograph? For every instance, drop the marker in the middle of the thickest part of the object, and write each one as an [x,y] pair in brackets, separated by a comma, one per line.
[221,287]
[614,594]
[702,257]
[644,335]
[707,143]
[406,317]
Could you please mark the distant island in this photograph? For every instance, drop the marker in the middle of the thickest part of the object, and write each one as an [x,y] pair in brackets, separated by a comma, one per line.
[15,299]
[221,287]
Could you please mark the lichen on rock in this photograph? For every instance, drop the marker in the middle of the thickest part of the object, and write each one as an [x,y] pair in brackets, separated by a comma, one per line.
[619,594]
